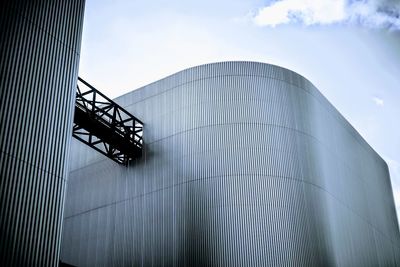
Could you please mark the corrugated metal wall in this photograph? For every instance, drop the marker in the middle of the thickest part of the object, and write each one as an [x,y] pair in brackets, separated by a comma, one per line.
[245,164]
[39,51]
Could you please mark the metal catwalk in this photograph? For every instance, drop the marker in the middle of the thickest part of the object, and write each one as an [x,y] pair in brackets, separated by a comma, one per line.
[106,127]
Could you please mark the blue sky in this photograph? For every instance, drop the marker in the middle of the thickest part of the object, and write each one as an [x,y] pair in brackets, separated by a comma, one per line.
[349,49]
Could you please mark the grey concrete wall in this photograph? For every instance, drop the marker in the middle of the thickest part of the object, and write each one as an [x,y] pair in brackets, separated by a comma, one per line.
[245,164]
[39,56]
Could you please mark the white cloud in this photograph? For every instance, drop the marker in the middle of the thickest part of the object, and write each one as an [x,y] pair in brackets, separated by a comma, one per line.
[370,13]
[378,101]
[306,11]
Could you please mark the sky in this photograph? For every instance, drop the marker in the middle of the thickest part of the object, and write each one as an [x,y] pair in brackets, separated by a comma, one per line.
[349,49]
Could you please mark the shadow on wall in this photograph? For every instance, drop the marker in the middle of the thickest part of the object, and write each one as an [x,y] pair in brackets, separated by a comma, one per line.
[197,250]
[180,234]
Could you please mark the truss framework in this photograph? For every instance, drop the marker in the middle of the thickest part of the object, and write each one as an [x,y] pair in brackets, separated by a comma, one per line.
[106,127]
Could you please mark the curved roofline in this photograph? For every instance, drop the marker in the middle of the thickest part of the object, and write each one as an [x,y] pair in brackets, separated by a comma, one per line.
[217,63]
[350,127]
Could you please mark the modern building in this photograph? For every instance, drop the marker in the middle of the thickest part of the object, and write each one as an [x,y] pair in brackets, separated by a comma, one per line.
[244,164]
[39,57]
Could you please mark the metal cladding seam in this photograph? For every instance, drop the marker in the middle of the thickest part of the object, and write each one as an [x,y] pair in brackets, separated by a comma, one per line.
[245,164]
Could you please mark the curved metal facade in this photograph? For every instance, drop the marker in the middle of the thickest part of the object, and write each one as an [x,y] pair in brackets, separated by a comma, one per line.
[245,164]
[39,52]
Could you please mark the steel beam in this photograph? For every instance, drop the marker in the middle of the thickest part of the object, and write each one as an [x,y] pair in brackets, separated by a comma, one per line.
[105,126]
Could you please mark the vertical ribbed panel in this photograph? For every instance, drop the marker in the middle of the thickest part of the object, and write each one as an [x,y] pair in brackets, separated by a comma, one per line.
[245,164]
[39,52]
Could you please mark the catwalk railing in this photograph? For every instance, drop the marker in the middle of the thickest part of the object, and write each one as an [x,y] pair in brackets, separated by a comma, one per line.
[106,127]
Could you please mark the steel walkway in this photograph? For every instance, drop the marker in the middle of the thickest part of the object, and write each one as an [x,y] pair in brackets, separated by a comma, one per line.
[106,127]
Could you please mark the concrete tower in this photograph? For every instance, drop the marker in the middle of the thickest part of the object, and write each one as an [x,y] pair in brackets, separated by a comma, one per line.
[39,52]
